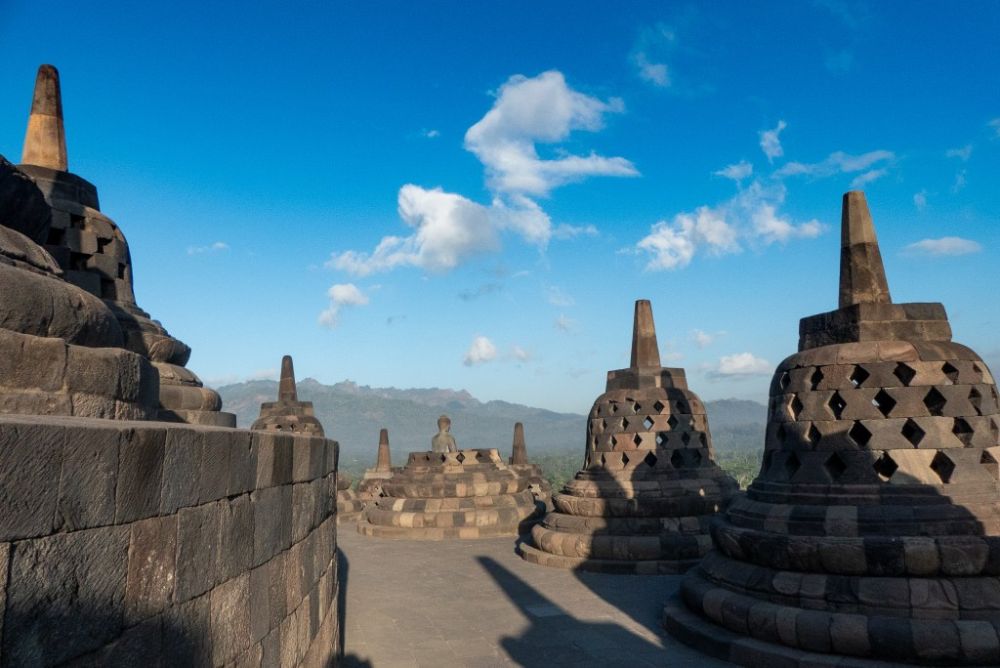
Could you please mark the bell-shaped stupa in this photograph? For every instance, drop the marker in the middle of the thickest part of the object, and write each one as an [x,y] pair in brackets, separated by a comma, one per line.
[370,485]
[518,462]
[94,255]
[288,413]
[649,485]
[872,532]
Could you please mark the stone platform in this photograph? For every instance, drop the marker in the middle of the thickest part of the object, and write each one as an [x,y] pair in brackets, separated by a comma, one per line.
[461,494]
[480,605]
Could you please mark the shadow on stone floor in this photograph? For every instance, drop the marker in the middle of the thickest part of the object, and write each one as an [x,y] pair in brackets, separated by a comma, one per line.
[345,660]
[557,638]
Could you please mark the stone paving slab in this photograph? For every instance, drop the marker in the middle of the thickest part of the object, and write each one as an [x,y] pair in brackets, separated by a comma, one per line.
[476,603]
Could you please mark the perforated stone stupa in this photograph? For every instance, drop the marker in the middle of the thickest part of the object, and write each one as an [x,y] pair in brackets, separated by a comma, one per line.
[370,485]
[457,494]
[288,413]
[872,532]
[650,484]
[94,255]
[519,464]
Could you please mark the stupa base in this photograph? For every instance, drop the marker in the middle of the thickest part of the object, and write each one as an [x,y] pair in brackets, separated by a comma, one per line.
[533,555]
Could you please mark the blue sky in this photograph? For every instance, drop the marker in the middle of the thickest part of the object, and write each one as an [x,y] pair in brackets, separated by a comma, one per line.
[472,195]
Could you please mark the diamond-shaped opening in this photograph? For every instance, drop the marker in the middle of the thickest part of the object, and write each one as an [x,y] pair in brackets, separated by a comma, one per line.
[837,405]
[672,421]
[795,406]
[696,457]
[835,466]
[785,379]
[637,439]
[912,432]
[683,407]
[905,373]
[614,441]
[951,372]
[625,424]
[661,437]
[648,423]
[813,435]
[604,424]
[976,399]
[943,466]
[934,401]
[792,464]
[604,460]
[884,402]
[963,431]
[860,434]
[885,466]
[658,406]
[816,378]
[625,459]
[677,459]
[614,408]
[686,438]
[858,376]
[991,465]
[977,370]
[636,407]
[780,434]
[650,460]
[460,457]
[994,430]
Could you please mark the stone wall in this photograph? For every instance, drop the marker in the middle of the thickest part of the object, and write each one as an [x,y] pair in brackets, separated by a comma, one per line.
[124,542]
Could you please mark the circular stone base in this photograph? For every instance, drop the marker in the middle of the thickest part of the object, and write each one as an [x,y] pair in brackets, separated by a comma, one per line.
[406,533]
[648,567]
[347,518]
[721,643]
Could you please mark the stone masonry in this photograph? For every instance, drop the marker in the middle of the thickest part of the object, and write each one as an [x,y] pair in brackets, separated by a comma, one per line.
[540,487]
[872,532]
[650,484]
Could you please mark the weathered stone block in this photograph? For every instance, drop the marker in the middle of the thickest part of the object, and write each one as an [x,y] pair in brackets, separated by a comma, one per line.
[276,600]
[89,479]
[260,612]
[216,455]
[151,568]
[30,457]
[65,595]
[181,469]
[242,464]
[197,547]
[236,539]
[4,568]
[272,526]
[230,618]
[303,510]
[187,632]
[140,474]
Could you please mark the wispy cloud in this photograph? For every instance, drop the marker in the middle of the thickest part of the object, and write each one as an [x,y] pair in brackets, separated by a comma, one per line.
[430,134]
[449,228]
[740,365]
[649,55]
[839,162]
[920,200]
[943,246]
[564,324]
[481,350]
[995,124]
[770,141]
[860,180]
[960,181]
[704,339]
[557,297]
[341,295]
[216,247]
[737,172]
[963,153]
[481,291]
[233,378]
[520,354]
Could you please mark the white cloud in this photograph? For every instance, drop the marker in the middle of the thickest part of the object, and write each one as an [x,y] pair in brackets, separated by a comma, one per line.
[341,295]
[520,354]
[216,247]
[962,154]
[481,351]
[920,200]
[564,231]
[943,246]
[557,297]
[736,172]
[751,217]
[430,134]
[704,339]
[867,177]
[740,365]
[995,124]
[450,228]
[565,324]
[839,162]
[959,181]
[770,143]
[650,72]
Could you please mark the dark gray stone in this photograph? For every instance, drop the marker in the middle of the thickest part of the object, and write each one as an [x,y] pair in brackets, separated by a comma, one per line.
[197,547]
[242,464]
[181,470]
[270,525]
[4,569]
[140,474]
[236,538]
[87,484]
[216,455]
[271,649]
[187,633]
[30,457]
[260,613]
[277,608]
[66,596]
[230,619]
[151,568]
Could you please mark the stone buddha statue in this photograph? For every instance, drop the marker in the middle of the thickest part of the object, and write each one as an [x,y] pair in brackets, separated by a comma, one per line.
[443,441]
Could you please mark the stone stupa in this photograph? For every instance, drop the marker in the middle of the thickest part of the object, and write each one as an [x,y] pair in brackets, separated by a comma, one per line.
[288,413]
[519,464]
[94,255]
[872,533]
[370,485]
[650,484]
[451,493]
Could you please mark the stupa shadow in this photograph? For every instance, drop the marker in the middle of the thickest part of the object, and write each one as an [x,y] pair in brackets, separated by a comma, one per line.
[555,637]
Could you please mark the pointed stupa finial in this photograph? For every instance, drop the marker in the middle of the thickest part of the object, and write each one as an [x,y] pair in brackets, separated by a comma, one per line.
[645,352]
[383,461]
[45,140]
[286,386]
[519,454]
[862,275]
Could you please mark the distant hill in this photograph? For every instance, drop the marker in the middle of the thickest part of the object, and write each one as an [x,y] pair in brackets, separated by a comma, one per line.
[353,415]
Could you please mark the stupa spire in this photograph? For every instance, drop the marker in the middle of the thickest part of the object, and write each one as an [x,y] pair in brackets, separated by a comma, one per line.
[286,386]
[862,275]
[45,140]
[383,462]
[645,352]
[519,454]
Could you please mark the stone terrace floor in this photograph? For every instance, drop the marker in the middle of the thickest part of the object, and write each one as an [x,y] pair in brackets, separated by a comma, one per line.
[476,603]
